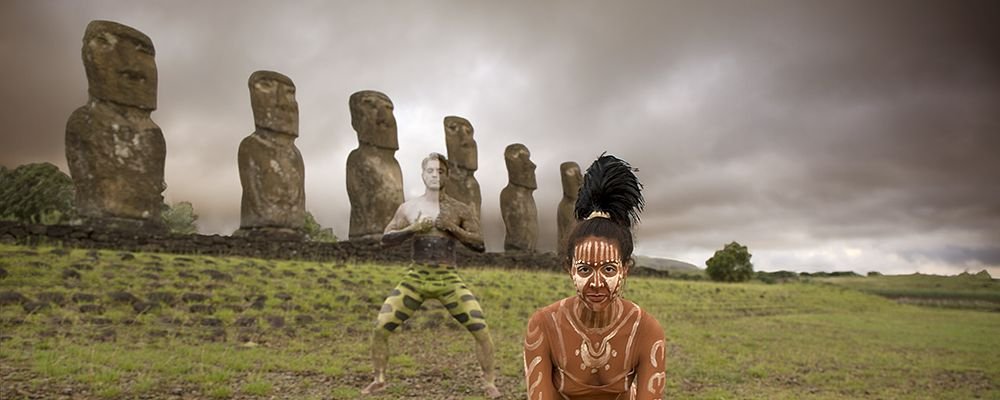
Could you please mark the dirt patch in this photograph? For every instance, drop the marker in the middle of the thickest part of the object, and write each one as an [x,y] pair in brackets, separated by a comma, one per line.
[162,297]
[70,274]
[201,309]
[976,381]
[194,297]
[122,297]
[12,297]
[275,321]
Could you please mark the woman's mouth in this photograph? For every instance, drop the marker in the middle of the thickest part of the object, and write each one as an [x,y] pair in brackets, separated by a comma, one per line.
[595,297]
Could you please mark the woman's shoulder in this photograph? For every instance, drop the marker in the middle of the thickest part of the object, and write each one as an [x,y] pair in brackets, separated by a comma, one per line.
[542,314]
[648,324]
[645,318]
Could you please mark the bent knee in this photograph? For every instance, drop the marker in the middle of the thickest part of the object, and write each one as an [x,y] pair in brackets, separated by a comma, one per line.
[391,321]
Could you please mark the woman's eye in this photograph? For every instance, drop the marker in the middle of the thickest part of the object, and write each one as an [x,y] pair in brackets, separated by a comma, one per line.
[583,270]
[610,269]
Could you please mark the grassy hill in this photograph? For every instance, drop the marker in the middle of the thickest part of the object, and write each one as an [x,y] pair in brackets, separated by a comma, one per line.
[107,324]
[674,267]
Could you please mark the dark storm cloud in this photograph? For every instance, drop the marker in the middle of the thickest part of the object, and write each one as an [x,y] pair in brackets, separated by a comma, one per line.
[825,135]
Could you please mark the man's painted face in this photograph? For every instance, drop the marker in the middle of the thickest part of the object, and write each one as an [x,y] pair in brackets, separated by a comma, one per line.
[432,174]
[597,271]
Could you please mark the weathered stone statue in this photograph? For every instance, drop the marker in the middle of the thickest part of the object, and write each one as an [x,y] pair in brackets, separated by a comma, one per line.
[374,179]
[115,151]
[565,217]
[271,167]
[463,156]
[517,206]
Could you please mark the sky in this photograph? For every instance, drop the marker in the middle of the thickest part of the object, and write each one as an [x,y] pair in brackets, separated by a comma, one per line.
[823,135]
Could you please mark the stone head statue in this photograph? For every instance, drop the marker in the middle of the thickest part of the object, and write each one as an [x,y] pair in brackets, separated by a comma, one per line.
[119,64]
[461,145]
[372,119]
[272,97]
[520,169]
[571,179]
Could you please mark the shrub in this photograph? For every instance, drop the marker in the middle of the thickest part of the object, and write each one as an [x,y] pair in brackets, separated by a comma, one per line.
[731,264]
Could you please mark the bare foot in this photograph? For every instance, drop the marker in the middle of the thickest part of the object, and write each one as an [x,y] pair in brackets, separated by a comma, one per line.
[375,387]
[491,391]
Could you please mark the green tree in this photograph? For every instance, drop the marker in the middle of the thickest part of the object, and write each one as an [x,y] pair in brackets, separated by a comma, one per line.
[317,233]
[36,193]
[731,264]
[180,218]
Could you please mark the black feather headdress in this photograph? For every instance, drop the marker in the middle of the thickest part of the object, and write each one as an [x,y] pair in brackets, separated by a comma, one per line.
[610,186]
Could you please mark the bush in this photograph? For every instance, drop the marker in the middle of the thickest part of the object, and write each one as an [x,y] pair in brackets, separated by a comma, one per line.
[180,218]
[731,264]
[36,194]
[317,233]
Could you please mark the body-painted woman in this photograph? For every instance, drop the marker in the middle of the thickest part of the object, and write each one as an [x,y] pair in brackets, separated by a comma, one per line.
[597,345]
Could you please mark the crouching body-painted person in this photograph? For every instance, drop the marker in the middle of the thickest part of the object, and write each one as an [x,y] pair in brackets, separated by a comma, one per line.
[597,345]
[435,221]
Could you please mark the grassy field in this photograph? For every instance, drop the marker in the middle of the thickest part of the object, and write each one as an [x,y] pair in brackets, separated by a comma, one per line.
[107,324]
[967,291]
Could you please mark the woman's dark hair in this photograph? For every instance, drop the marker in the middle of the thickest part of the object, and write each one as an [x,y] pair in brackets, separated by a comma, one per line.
[608,205]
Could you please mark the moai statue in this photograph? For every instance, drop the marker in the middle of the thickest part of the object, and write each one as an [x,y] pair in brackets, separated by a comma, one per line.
[271,169]
[517,206]
[463,161]
[115,151]
[565,216]
[374,178]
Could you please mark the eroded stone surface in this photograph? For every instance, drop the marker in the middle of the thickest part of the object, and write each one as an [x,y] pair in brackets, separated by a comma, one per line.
[572,179]
[517,204]
[114,150]
[272,171]
[463,161]
[374,177]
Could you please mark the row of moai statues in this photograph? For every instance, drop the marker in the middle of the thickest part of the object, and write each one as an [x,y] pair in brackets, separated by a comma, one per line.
[116,154]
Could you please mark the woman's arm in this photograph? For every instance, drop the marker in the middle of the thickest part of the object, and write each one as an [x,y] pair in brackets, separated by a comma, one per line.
[538,361]
[651,376]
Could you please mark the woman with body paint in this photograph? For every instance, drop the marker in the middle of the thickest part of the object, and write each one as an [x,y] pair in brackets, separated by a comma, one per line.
[596,345]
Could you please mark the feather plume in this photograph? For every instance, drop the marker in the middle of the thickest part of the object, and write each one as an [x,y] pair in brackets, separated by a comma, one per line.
[610,186]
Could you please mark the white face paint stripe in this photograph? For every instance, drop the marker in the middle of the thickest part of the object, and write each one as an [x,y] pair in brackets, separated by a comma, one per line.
[596,254]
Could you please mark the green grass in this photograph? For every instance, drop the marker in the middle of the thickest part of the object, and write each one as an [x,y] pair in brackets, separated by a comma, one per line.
[962,291]
[726,341]
[258,387]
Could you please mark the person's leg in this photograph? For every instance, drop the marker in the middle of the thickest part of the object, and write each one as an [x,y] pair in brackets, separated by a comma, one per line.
[465,308]
[401,303]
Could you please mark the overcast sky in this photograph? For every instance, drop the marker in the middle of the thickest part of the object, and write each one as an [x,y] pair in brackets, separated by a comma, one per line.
[824,135]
